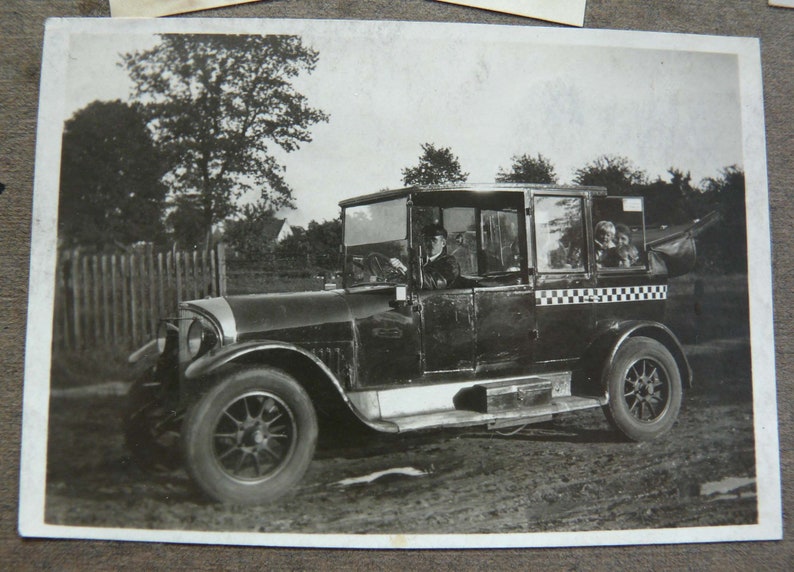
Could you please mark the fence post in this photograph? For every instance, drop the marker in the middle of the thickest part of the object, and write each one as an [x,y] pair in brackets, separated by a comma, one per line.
[75,275]
[160,288]
[95,301]
[178,275]
[106,309]
[62,304]
[124,266]
[114,299]
[196,291]
[206,287]
[133,300]
[169,276]
[152,294]
[221,250]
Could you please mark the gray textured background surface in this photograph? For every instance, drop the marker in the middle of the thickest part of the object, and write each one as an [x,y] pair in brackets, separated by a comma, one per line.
[21,29]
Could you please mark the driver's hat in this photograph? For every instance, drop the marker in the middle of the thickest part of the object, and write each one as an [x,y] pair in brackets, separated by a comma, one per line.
[434,230]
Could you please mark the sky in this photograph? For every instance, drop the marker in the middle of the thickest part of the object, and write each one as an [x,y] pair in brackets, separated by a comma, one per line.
[487,93]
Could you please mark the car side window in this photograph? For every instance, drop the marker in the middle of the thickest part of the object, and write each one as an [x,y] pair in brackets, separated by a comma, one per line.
[559,234]
[500,246]
[460,223]
[619,233]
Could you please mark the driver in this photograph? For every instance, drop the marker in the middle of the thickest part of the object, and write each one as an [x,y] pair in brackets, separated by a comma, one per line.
[439,269]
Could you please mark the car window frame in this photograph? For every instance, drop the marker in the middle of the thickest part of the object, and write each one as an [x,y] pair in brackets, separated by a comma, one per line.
[587,253]
[619,270]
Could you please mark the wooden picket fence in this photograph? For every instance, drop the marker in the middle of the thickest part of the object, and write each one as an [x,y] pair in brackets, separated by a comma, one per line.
[118,299]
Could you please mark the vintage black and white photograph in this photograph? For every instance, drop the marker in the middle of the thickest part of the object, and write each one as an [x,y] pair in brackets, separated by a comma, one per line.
[398,285]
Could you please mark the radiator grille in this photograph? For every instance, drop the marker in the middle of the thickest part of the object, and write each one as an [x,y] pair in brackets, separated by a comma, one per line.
[335,359]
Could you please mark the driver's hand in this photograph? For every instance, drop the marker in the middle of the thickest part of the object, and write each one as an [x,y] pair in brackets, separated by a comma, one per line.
[398,265]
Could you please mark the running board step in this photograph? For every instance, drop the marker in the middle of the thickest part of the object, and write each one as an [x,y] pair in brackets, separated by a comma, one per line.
[510,395]
[513,417]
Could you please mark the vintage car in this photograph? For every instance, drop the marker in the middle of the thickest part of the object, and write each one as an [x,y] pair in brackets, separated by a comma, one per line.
[556,306]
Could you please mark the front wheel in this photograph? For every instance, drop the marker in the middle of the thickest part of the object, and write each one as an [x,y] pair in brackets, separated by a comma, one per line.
[250,439]
[644,386]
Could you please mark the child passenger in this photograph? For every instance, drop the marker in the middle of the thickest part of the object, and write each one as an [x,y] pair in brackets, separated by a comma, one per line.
[604,240]
[624,254]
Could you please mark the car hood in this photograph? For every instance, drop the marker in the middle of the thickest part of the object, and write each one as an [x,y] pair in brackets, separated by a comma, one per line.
[299,316]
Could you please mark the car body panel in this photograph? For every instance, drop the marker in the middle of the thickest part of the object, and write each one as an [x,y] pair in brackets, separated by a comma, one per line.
[393,350]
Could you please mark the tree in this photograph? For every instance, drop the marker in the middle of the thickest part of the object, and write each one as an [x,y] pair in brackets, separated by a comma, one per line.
[320,240]
[528,169]
[728,244]
[437,166]
[249,235]
[216,104]
[616,173]
[111,194]
[669,202]
[185,224]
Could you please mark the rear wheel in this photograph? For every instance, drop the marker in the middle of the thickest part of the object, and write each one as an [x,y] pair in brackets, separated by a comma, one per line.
[250,439]
[644,386]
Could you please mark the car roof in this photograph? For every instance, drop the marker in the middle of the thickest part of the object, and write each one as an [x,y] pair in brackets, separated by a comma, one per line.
[387,194]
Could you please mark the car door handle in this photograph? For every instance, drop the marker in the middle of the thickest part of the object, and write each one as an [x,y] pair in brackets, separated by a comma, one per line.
[594,298]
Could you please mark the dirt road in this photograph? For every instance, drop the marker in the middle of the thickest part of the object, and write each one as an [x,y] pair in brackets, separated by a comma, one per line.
[573,473]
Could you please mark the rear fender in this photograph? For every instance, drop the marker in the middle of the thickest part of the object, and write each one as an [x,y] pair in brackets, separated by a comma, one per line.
[606,346]
[324,388]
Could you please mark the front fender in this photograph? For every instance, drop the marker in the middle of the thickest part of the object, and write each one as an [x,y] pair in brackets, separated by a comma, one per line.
[147,353]
[212,362]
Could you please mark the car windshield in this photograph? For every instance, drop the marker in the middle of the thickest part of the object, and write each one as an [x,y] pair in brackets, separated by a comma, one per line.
[374,235]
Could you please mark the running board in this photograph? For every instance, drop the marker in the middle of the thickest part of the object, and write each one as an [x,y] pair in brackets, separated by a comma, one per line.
[495,402]
[463,418]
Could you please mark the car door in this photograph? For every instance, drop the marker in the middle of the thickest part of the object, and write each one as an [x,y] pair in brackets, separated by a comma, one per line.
[504,300]
[505,327]
[565,293]
[626,288]
[447,330]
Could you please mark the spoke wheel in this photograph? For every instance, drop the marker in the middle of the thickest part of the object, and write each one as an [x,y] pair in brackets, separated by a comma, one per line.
[250,439]
[644,387]
[254,436]
[646,390]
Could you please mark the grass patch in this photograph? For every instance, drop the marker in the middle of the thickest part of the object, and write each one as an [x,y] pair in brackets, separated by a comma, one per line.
[78,368]
[708,307]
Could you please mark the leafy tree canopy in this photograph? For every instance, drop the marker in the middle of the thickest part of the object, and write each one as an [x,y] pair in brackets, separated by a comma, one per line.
[727,246]
[185,223]
[249,235]
[111,194]
[321,241]
[437,166]
[219,105]
[528,169]
[616,173]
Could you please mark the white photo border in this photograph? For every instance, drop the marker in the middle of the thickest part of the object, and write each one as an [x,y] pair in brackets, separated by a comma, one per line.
[43,260]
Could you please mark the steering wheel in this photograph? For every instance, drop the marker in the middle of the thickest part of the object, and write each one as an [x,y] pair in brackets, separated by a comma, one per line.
[380,265]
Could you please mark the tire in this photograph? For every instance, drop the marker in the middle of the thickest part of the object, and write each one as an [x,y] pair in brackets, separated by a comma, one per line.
[151,431]
[250,439]
[644,386]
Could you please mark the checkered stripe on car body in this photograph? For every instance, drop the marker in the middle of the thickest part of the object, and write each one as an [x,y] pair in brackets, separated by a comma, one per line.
[600,295]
